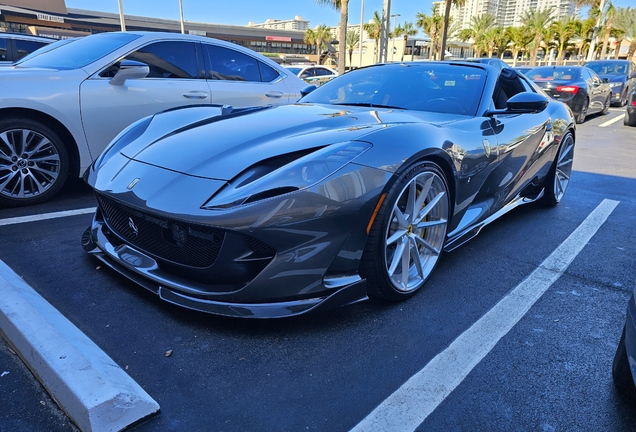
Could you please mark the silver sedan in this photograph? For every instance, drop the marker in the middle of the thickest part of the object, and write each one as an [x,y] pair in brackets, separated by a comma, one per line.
[59,110]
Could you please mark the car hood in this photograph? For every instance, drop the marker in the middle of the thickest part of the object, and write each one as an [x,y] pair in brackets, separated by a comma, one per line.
[220,148]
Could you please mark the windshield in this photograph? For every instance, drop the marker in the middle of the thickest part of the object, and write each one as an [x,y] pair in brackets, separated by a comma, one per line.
[81,52]
[294,70]
[553,74]
[46,48]
[436,87]
[608,68]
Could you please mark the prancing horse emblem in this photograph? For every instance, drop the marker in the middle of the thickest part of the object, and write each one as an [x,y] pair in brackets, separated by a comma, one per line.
[133,227]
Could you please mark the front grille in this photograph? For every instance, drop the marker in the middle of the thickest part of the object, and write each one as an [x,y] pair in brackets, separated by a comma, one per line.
[171,240]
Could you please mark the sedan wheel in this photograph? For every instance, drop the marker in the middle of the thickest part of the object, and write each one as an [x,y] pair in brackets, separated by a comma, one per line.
[33,162]
[408,235]
[621,371]
[580,118]
[559,176]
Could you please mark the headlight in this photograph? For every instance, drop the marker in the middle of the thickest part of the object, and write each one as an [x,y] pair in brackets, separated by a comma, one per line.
[124,138]
[261,181]
[615,84]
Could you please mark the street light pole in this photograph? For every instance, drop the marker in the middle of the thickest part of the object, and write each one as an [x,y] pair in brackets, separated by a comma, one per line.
[394,16]
[122,22]
[361,32]
[181,12]
[590,53]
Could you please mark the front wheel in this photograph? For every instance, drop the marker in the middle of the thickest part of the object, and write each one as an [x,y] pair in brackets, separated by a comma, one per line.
[558,177]
[580,118]
[406,239]
[33,162]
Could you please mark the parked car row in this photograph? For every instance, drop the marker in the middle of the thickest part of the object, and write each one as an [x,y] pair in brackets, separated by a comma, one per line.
[15,46]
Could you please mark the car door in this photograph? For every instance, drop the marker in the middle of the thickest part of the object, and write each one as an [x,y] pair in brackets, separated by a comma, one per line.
[240,80]
[523,142]
[596,90]
[174,80]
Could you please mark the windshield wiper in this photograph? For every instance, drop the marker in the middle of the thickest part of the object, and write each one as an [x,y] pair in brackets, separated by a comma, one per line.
[366,104]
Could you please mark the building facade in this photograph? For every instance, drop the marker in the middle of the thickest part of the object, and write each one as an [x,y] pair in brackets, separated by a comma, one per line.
[298,23]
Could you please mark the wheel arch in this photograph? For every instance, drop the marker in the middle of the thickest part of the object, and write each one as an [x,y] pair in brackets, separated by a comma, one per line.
[56,125]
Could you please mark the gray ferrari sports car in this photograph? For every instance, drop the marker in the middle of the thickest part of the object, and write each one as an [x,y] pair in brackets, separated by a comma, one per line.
[355,191]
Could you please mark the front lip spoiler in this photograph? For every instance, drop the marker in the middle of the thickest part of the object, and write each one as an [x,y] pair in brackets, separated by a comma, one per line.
[353,291]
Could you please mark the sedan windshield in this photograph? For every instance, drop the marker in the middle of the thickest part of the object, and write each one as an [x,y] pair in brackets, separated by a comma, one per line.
[553,74]
[608,68]
[436,87]
[81,52]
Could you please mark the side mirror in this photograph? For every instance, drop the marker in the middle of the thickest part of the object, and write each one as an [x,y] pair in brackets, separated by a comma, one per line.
[129,69]
[605,80]
[523,103]
[306,90]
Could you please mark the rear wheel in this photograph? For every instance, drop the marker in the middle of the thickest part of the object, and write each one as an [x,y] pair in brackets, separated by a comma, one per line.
[629,120]
[33,162]
[408,234]
[558,178]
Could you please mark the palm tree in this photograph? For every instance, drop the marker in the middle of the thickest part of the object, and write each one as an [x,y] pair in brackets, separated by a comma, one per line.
[405,30]
[457,3]
[310,39]
[609,23]
[584,30]
[353,40]
[499,41]
[343,6]
[432,25]
[537,23]
[625,28]
[519,39]
[598,11]
[321,34]
[478,32]
[374,29]
[562,32]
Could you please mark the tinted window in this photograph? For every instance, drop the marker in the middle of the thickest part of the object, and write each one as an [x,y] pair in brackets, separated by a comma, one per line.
[308,73]
[609,67]
[268,73]
[82,52]
[438,87]
[228,64]
[554,74]
[168,59]
[3,49]
[25,47]
[323,72]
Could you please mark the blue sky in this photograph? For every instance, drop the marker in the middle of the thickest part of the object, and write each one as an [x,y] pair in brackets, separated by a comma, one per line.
[240,12]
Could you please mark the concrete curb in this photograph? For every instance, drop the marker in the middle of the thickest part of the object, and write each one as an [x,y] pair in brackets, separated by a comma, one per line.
[84,381]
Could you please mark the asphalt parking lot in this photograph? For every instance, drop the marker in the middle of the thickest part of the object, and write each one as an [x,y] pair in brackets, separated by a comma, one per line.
[549,371]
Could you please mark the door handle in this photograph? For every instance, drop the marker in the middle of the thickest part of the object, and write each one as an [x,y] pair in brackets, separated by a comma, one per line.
[274,95]
[196,95]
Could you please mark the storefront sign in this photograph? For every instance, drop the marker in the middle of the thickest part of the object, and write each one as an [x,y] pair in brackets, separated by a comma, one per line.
[52,18]
[278,38]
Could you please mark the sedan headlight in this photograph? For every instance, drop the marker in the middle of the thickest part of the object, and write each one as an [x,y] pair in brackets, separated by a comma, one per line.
[285,173]
[125,137]
[615,84]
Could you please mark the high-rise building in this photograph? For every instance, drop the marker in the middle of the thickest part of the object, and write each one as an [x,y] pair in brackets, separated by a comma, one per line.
[507,12]
[298,23]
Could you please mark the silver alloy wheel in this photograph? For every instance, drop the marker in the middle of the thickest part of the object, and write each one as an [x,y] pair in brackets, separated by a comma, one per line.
[563,167]
[415,236]
[29,163]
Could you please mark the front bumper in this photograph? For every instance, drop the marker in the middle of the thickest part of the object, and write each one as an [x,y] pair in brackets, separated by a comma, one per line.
[147,272]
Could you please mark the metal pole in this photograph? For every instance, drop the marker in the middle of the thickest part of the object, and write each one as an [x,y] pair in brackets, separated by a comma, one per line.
[393,38]
[384,34]
[590,53]
[361,32]
[121,17]
[181,11]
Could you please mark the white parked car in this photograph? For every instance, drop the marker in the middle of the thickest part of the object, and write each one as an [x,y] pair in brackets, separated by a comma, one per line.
[316,75]
[60,109]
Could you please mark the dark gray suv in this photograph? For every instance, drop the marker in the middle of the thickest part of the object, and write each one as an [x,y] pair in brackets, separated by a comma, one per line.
[14,46]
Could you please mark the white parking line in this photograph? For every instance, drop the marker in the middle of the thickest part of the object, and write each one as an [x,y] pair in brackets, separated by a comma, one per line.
[34,218]
[412,403]
[612,121]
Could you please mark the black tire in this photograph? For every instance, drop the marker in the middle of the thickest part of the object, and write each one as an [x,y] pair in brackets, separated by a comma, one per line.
[401,239]
[629,120]
[608,102]
[558,178]
[622,373]
[35,173]
[580,118]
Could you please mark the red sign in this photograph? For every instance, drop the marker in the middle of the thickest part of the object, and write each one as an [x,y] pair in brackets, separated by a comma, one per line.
[278,38]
